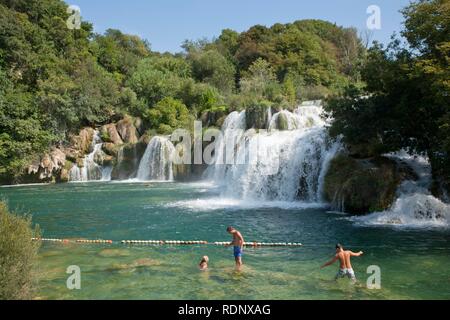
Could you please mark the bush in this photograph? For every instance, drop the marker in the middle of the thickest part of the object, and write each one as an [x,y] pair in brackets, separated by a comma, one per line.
[18,254]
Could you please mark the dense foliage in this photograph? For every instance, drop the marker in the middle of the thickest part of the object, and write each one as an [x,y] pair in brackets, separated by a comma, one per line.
[405,102]
[54,80]
[18,254]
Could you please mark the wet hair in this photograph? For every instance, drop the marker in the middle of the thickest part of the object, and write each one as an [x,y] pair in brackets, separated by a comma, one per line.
[205,259]
[339,246]
[230,228]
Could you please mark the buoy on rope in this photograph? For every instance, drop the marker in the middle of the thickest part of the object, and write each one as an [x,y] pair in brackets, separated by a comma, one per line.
[253,244]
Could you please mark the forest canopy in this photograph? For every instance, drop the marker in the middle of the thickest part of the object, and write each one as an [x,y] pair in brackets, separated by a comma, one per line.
[404,103]
[54,80]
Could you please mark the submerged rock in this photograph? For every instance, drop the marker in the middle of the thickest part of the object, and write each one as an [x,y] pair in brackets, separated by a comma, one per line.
[363,186]
[140,263]
[108,253]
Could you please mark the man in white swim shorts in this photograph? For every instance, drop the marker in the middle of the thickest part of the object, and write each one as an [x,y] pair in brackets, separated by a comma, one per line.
[346,269]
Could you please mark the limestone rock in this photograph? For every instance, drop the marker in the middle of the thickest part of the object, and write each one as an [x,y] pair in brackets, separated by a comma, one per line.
[363,186]
[48,167]
[83,141]
[256,117]
[109,133]
[127,130]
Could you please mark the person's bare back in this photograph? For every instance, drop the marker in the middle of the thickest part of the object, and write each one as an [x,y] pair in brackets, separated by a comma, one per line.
[344,257]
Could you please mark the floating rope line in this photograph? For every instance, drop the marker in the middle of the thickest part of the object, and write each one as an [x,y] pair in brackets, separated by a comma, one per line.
[73,241]
[163,242]
[169,242]
[262,244]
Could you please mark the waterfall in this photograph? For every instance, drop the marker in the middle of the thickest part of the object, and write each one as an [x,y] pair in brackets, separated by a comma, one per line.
[156,164]
[232,131]
[91,169]
[306,116]
[276,165]
[415,206]
[269,116]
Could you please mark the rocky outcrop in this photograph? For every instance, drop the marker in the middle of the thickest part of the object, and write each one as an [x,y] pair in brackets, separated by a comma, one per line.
[127,163]
[127,158]
[127,130]
[282,122]
[364,186]
[81,143]
[256,117]
[213,118]
[109,134]
[48,167]
[124,144]
[188,172]
[111,149]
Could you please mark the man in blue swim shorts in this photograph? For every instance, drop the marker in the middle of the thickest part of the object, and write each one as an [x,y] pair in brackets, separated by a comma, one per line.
[238,246]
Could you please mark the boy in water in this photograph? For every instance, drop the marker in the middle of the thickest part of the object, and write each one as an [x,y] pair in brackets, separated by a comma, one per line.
[238,245]
[204,263]
[346,268]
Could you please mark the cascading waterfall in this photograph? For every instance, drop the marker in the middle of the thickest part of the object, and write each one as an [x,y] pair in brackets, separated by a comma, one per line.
[92,170]
[269,116]
[156,164]
[415,206]
[274,165]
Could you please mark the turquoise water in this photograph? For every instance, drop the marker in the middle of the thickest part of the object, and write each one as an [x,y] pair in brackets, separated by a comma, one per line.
[414,262]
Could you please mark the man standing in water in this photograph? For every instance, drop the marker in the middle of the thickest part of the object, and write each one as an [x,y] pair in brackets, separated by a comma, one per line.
[346,268]
[238,246]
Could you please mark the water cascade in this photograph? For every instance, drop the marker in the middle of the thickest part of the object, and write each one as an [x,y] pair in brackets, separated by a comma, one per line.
[274,165]
[156,164]
[415,205]
[92,170]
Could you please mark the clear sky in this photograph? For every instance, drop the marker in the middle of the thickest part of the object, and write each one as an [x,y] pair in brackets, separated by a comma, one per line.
[167,23]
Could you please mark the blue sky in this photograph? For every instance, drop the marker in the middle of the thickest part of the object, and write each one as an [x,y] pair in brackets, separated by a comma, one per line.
[167,23]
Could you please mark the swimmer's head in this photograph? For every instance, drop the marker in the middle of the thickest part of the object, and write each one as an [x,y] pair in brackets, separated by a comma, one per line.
[230,229]
[204,262]
[339,247]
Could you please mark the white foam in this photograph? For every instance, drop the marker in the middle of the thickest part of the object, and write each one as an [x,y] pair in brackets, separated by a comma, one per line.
[415,207]
[212,204]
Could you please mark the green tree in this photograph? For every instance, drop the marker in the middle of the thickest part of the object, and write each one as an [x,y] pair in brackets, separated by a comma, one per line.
[158,77]
[168,115]
[259,76]
[405,101]
[213,68]
[118,52]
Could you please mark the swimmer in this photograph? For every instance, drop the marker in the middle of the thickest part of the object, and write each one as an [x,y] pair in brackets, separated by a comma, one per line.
[238,245]
[346,269]
[204,263]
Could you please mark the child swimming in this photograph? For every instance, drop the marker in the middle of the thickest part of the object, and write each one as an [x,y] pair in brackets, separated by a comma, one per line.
[204,263]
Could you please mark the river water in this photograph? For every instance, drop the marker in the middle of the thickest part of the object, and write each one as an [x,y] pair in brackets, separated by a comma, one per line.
[413,261]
